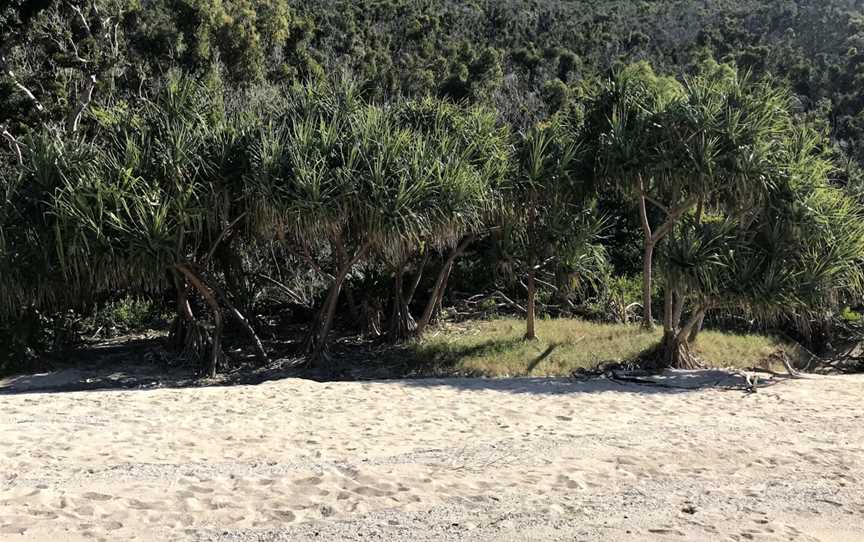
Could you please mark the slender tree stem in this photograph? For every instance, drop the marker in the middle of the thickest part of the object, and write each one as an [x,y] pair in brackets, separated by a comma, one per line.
[210,298]
[440,284]
[531,287]
[317,339]
[260,353]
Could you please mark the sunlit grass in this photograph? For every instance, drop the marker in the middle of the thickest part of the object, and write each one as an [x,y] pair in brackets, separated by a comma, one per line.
[496,348]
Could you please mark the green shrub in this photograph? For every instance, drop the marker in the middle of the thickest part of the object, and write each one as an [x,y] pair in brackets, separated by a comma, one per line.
[850,315]
[124,315]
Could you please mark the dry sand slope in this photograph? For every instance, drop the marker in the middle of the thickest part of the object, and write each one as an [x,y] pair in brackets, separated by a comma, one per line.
[435,460]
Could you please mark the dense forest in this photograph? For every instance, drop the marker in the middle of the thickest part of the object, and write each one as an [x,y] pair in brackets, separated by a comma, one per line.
[362,164]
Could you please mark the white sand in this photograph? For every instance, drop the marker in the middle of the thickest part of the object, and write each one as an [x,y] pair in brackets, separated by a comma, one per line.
[435,460]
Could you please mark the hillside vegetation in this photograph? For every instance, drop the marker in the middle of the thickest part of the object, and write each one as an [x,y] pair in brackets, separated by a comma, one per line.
[244,169]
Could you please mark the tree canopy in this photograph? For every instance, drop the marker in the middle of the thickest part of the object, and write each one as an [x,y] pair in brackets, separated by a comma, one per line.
[373,156]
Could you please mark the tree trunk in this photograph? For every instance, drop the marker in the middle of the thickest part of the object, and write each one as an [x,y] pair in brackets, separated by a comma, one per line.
[694,333]
[652,237]
[439,299]
[185,319]
[395,309]
[402,324]
[647,278]
[678,306]
[647,260]
[530,307]
[210,298]
[676,350]
[341,260]
[669,323]
[187,335]
[371,318]
[241,319]
[440,285]
[417,277]
[353,309]
[316,341]
[677,353]
[316,344]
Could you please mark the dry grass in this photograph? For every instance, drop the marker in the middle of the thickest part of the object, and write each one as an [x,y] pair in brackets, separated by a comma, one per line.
[496,348]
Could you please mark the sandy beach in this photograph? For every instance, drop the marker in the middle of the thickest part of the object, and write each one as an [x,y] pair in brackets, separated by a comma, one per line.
[470,459]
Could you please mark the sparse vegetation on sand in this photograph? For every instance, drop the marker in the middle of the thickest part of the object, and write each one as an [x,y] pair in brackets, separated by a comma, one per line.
[496,348]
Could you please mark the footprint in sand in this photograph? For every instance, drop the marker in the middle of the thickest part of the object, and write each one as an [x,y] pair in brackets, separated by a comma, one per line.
[569,483]
[674,532]
[311,481]
[92,496]
[13,529]
[283,515]
[84,510]
[201,489]
[44,514]
[368,491]
[139,505]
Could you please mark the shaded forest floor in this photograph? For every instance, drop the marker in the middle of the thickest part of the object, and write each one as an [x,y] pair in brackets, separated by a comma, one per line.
[489,348]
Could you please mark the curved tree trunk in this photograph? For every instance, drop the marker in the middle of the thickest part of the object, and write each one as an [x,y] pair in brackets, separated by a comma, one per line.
[694,333]
[432,303]
[402,324]
[439,300]
[652,237]
[437,295]
[371,318]
[530,307]
[210,298]
[185,318]
[417,277]
[244,322]
[676,351]
[235,282]
[316,340]
[647,280]
[341,260]
[187,335]
[228,261]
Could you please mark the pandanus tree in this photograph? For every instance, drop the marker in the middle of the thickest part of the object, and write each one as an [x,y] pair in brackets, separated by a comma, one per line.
[356,181]
[151,206]
[30,266]
[625,138]
[794,252]
[722,140]
[679,149]
[550,220]
[468,156]
[304,186]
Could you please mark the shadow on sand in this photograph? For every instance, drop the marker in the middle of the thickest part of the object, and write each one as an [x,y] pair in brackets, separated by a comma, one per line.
[132,365]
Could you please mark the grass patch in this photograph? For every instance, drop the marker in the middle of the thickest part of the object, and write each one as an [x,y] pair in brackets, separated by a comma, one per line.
[496,348]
